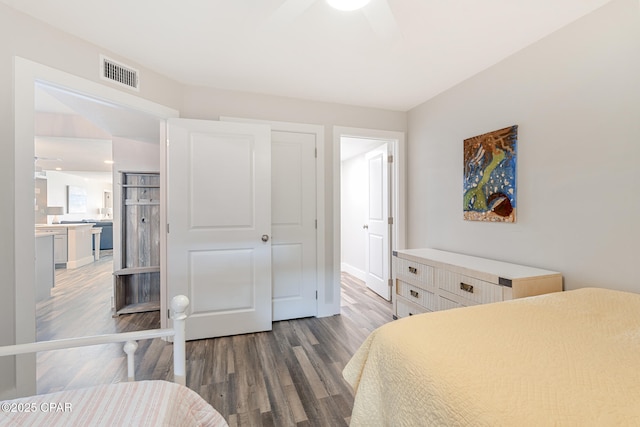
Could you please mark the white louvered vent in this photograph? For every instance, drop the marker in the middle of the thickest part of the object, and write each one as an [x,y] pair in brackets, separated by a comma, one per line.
[118,73]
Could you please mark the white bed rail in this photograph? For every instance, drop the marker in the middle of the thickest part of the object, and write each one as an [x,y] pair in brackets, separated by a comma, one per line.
[179,306]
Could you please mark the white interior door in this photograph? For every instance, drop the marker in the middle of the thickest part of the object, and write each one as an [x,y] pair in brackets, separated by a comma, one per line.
[377,223]
[293,224]
[219,214]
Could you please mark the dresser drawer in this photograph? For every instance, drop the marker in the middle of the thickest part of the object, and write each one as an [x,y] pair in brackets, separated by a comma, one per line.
[416,295]
[414,272]
[472,289]
[446,304]
[406,308]
[430,279]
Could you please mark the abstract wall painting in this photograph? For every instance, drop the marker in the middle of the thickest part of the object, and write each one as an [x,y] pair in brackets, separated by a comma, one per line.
[490,176]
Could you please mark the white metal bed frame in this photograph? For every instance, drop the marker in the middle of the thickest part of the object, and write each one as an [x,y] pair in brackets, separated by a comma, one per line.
[179,306]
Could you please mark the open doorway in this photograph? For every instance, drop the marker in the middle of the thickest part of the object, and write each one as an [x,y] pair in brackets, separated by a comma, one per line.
[371,218]
[365,204]
[95,99]
[73,159]
[78,157]
[76,149]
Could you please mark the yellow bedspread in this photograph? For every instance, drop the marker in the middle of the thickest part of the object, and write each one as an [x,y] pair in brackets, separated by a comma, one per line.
[563,359]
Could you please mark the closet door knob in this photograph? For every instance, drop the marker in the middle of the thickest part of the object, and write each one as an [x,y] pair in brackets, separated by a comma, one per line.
[265,238]
[366,226]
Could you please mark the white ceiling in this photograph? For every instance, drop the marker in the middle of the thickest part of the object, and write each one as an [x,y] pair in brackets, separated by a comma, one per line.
[393,54]
[80,146]
[351,147]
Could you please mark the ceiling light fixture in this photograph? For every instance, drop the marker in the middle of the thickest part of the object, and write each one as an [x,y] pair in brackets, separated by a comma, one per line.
[109,162]
[347,5]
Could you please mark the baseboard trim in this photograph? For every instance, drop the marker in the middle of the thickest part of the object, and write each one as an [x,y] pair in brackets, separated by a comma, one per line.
[356,272]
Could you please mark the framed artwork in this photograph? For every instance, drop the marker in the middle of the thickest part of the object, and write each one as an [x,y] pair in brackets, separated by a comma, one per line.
[490,176]
[76,199]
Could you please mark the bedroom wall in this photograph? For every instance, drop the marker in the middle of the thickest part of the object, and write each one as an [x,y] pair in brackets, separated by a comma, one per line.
[576,98]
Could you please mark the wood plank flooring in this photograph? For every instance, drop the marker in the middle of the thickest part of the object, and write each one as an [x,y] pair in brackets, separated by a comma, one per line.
[291,376]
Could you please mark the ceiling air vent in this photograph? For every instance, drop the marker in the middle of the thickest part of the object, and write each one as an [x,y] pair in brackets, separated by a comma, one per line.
[119,73]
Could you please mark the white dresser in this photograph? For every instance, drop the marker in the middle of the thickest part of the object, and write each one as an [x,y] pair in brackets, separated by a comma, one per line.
[430,280]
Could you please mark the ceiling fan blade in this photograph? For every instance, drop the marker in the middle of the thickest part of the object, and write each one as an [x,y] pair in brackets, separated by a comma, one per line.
[382,20]
[288,11]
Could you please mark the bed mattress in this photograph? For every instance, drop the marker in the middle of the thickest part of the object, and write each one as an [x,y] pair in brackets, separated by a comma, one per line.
[567,358]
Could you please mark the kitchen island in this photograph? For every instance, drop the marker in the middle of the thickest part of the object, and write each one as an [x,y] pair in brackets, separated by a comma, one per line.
[72,243]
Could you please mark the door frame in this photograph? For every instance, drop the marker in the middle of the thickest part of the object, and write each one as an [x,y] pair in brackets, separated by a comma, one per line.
[26,74]
[397,147]
[324,287]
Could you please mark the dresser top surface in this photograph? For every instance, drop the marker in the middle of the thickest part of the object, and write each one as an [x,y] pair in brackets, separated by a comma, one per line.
[485,265]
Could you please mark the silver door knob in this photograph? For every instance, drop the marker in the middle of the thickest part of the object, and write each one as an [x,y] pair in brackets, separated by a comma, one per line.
[366,226]
[265,237]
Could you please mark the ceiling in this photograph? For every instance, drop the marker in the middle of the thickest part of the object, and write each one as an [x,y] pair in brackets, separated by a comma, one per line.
[74,135]
[351,147]
[393,54]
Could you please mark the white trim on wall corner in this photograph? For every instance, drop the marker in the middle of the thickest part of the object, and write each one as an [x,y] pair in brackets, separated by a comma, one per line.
[355,272]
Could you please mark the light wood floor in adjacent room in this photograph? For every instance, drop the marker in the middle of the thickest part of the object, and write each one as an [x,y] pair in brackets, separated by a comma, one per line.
[291,376]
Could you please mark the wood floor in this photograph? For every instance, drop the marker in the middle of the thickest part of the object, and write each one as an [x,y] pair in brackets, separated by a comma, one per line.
[291,376]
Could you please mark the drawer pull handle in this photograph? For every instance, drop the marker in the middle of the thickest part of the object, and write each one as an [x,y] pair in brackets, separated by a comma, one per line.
[414,294]
[466,288]
[413,270]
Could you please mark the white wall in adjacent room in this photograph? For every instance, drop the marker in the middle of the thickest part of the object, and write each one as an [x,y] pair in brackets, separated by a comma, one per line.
[354,190]
[57,186]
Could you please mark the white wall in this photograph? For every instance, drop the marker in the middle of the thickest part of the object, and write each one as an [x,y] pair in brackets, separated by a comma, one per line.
[354,190]
[57,183]
[576,98]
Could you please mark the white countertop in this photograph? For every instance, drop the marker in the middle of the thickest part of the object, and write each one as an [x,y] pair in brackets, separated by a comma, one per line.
[44,234]
[78,225]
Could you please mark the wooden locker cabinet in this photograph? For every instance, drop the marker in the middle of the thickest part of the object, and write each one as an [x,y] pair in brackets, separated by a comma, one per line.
[431,280]
[137,284]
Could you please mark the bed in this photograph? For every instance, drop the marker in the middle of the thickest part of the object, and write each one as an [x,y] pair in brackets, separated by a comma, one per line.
[143,403]
[568,358]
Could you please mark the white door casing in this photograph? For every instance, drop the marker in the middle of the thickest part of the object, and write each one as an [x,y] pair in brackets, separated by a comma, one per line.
[219,214]
[377,223]
[293,211]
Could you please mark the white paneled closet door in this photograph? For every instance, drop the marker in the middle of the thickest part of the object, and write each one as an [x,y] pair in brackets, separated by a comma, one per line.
[219,216]
[293,207]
